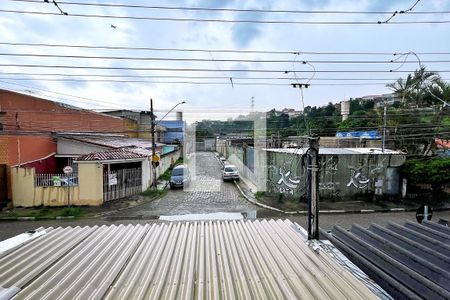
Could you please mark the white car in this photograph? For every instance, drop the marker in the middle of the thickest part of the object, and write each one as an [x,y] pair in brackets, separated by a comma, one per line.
[230,172]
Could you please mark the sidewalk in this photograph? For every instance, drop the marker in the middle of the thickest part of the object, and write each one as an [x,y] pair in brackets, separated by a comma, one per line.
[85,212]
[247,190]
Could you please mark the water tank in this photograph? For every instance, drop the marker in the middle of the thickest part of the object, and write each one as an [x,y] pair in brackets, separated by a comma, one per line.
[179,116]
[345,109]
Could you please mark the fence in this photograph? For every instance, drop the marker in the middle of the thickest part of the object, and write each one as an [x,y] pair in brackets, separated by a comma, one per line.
[122,183]
[44,180]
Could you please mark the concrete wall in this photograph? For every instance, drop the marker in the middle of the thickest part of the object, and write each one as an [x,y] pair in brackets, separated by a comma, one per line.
[341,176]
[165,162]
[88,192]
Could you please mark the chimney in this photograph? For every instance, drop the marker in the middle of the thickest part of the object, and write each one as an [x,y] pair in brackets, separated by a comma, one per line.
[179,116]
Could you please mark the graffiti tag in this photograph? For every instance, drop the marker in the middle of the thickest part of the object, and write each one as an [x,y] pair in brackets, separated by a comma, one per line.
[357,179]
[287,180]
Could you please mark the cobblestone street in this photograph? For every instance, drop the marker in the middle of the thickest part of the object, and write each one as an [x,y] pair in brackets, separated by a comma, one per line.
[207,193]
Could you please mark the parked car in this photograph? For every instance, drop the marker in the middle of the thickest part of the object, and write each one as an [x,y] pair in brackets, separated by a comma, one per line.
[179,177]
[230,172]
[223,162]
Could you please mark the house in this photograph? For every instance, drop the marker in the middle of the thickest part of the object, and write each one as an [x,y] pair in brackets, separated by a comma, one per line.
[175,129]
[104,167]
[26,127]
[143,123]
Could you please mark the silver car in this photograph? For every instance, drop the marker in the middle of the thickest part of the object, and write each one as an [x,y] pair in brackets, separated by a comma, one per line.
[230,172]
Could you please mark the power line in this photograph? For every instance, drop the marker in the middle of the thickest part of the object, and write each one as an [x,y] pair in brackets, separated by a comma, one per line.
[90,75]
[220,59]
[83,100]
[409,10]
[255,51]
[228,20]
[205,69]
[201,83]
[184,8]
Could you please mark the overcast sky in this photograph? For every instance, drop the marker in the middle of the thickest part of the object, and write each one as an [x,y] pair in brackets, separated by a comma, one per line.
[206,98]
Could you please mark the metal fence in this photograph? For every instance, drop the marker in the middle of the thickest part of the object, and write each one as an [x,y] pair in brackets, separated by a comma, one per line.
[56,180]
[122,183]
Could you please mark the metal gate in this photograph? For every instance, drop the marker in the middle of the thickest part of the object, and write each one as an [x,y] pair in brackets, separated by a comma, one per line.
[3,186]
[122,183]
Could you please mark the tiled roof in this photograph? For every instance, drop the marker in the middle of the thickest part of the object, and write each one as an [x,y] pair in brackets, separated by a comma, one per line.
[110,155]
[409,261]
[180,260]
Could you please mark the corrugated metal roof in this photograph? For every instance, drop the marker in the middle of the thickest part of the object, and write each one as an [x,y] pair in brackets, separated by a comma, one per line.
[335,151]
[410,261]
[257,259]
[112,141]
[110,155]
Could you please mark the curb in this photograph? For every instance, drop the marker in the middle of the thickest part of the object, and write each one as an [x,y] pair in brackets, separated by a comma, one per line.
[332,212]
[35,219]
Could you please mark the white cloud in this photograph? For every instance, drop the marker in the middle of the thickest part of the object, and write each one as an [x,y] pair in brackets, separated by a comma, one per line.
[201,35]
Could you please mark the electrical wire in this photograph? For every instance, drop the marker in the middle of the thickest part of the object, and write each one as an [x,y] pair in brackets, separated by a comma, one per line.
[241,21]
[202,69]
[224,9]
[89,75]
[184,59]
[255,51]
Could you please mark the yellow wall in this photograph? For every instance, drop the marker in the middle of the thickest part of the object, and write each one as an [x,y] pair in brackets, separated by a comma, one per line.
[90,182]
[88,192]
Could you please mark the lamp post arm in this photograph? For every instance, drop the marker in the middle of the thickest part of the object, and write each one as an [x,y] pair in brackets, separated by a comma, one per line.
[157,123]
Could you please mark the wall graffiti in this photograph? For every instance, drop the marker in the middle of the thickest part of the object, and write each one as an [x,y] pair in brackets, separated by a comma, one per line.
[327,186]
[379,167]
[331,165]
[284,180]
[357,178]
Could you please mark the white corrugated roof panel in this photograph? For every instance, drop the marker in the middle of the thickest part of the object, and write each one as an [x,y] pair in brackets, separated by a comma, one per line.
[335,151]
[236,259]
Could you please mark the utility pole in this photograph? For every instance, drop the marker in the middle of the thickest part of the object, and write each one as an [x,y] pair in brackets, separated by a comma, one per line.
[312,187]
[152,118]
[384,128]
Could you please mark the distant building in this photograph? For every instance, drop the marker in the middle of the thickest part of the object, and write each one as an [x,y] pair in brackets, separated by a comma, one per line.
[143,123]
[292,113]
[175,129]
[380,100]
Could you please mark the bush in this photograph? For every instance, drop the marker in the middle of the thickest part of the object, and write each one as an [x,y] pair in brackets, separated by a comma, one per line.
[434,171]
[71,211]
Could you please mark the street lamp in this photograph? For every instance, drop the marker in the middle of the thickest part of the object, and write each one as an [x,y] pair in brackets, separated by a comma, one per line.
[153,123]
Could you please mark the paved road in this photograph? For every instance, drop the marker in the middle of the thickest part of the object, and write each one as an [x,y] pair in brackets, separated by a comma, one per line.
[210,195]
[207,193]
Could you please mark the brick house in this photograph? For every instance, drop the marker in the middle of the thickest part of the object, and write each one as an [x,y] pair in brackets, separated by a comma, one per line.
[26,127]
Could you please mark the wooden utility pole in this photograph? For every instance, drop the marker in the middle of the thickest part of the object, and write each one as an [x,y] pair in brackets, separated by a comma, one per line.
[312,187]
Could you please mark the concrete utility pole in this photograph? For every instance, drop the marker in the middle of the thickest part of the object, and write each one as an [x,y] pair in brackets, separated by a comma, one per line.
[152,118]
[155,159]
[312,187]
[384,128]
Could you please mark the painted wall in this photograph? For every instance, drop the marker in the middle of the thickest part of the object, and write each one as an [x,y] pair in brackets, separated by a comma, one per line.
[22,149]
[341,176]
[88,192]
